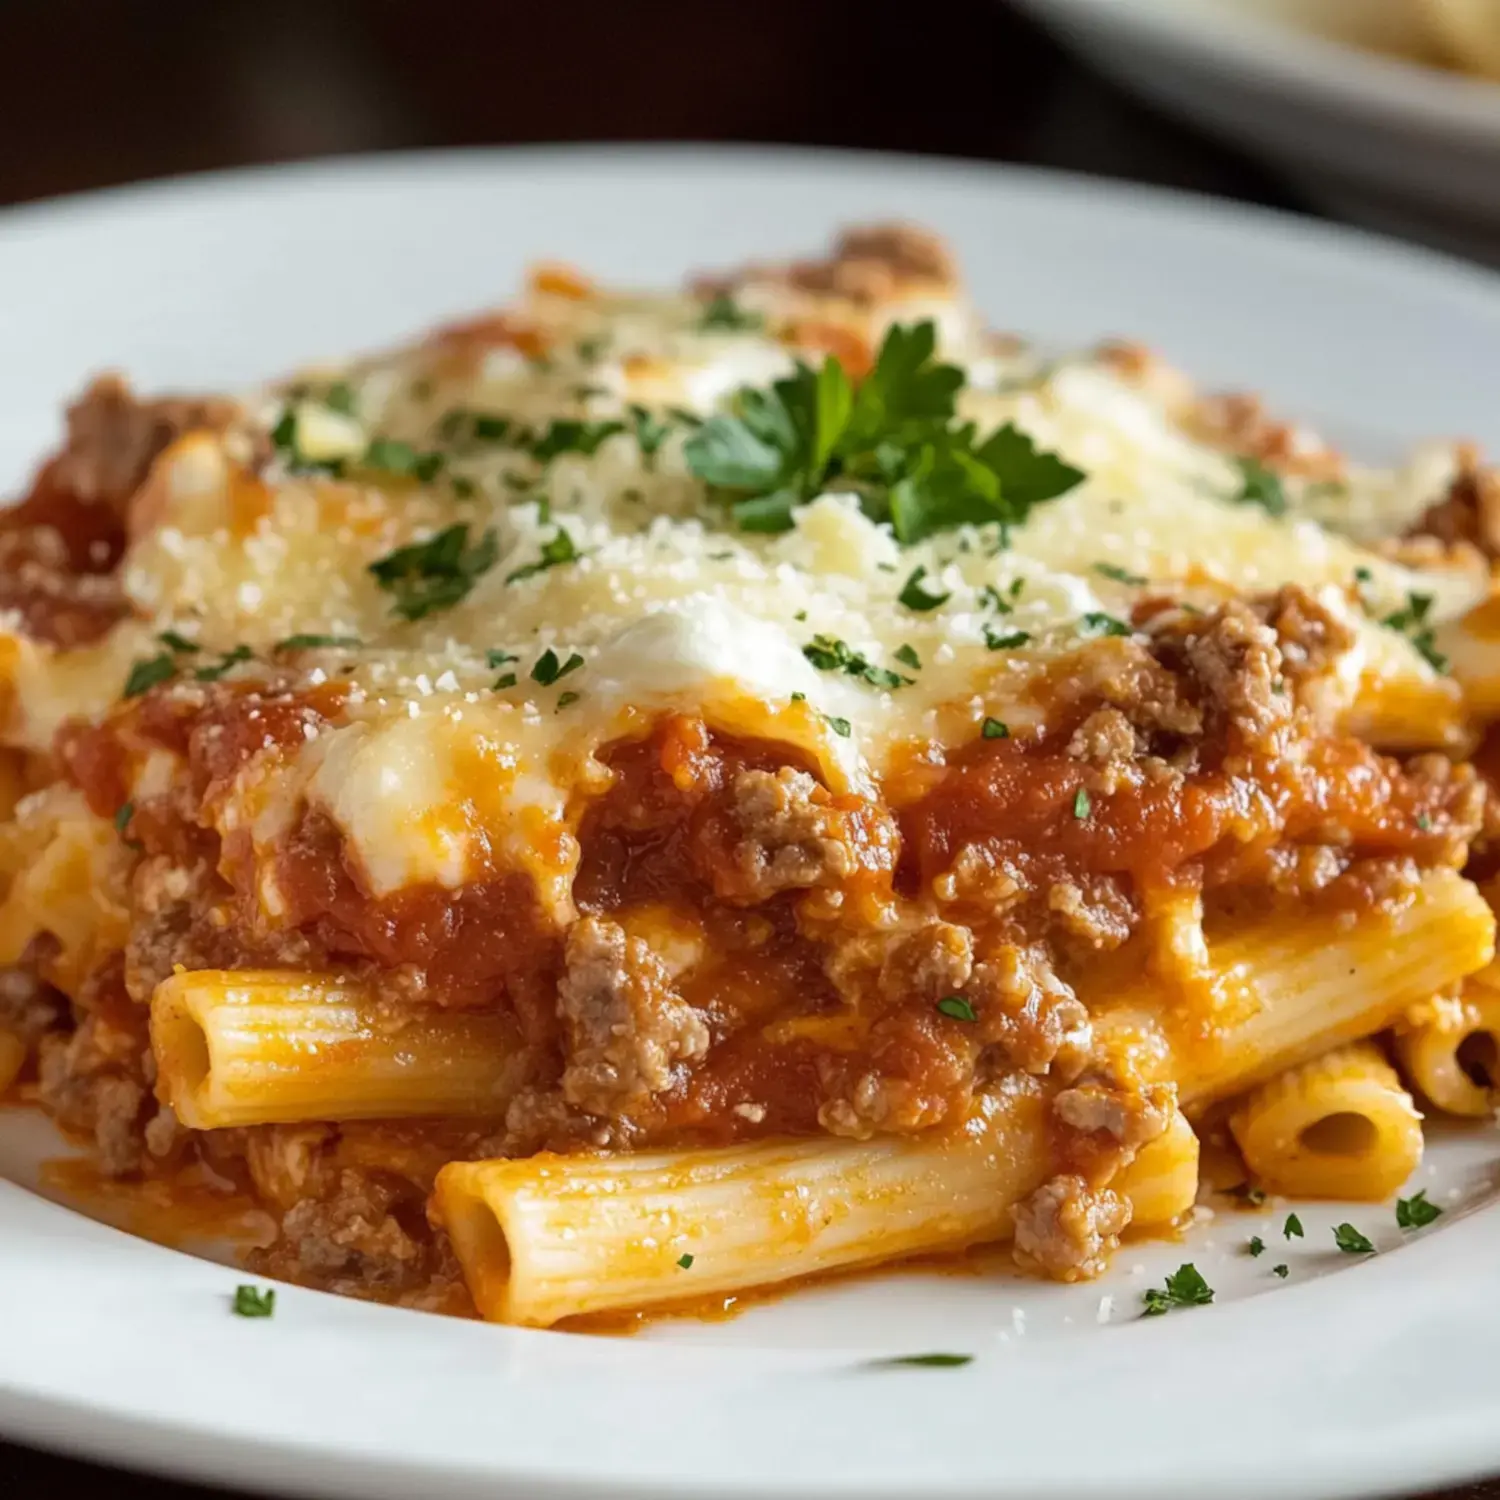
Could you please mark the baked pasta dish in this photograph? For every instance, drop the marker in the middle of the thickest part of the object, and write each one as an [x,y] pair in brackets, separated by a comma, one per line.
[635,798]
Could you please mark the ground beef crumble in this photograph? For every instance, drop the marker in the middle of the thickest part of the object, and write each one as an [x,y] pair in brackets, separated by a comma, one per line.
[1067,1230]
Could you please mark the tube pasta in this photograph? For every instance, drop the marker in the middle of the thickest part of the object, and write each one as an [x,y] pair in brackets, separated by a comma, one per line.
[1306,984]
[237,1047]
[1451,1051]
[549,1237]
[1340,1126]
[1162,1181]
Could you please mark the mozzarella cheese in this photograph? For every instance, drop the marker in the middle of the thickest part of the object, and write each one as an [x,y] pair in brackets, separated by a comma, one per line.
[462,748]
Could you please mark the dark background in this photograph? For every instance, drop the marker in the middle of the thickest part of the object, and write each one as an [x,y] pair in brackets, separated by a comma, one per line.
[97,92]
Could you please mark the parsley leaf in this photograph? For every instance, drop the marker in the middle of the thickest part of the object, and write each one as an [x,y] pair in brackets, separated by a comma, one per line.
[1119,574]
[178,643]
[829,654]
[894,441]
[957,1007]
[145,675]
[650,433]
[391,456]
[559,549]
[1351,1241]
[123,817]
[254,1302]
[995,729]
[225,662]
[916,596]
[566,700]
[1416,1212]
[1260,486]
[1096,622]
[1083,804]
[436,574]
[1412,622]
[1007,640]
[723,314]
[928,1361]
[1292,1229]
[1282,1271]
[313,642]
[685,1261]
[549,669]
[1257,1246]
[1185,1288]
[841,727]
[564,435]
[907,656]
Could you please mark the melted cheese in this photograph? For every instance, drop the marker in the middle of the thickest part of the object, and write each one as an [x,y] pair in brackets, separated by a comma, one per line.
[458,757]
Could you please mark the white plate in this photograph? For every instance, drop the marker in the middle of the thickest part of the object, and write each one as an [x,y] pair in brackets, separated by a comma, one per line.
[1351,1377]
[1403,146]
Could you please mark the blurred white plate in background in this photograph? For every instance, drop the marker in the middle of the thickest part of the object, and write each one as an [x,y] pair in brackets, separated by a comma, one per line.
[1354,1376]
[1344,96]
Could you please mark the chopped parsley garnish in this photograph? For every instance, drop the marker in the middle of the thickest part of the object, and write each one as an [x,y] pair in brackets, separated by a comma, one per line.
[1416,1212]
[391,456]
[1412,622]
[724,315]
[894,441]
[123,817]
[463,487]
[1260,486]
[339,397]
[1185,1288]
[650,433]
[566,700]
[145,675]
[178,643]
[1119,574]
[1351,1241]
[1083,804]
[928,1361]
[1257,1246]
[1282,1271]
[225,662]
[559,549]
[995,729]
[565,435]
[284,441]
[957,1007]
[549,668]
[497,658]
[436,574]
[1096,622]
[505,680]
[841,727]
[1424,822]
[799,698]
[907,656]
[318,643]
[254,1302]
[1007,640]
[685,1261]
[829,654]
[915,594]
[476,426]
[1292,1229]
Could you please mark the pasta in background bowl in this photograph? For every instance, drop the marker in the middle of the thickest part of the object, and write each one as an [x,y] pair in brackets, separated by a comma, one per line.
[1361,105]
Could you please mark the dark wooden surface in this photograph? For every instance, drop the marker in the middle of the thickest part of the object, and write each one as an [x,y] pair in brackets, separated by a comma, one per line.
[96,92]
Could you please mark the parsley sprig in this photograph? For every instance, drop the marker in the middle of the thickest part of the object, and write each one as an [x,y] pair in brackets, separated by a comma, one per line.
[894,441]
[1185,1287]
[436,574]
[829,654]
